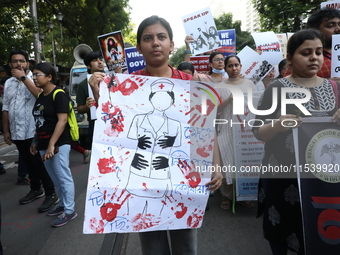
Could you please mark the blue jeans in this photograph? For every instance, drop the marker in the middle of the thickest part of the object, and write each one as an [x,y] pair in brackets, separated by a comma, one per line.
[58,168]
[182,242]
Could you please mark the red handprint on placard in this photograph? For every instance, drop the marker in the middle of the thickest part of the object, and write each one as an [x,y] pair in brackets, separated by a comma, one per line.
[193,177]
[108,210]
[114,116]
[196,112]
[127,86]
[195,218]
[97,225]
[144,221]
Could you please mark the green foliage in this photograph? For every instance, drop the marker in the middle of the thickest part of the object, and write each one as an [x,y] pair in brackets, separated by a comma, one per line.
[177,57]
[243,38]
[283,16]
[83,22]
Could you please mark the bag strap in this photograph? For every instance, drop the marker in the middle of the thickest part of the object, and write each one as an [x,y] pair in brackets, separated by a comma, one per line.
[55,92]
[336,92]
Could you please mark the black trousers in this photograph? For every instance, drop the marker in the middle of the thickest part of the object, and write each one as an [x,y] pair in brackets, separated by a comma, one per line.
[36,170]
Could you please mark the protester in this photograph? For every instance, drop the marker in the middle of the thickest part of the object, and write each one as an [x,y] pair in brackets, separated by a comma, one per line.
[154,42]
[283,66]
[53,140]
[18,125]
[186,67]
[278,197]
[216,62]
[327,21]
[94,62]
[1,251]
[224,132]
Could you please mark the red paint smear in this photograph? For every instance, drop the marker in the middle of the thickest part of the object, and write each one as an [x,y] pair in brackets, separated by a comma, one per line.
[115,117]
[106,165]
[127,152]
[127,87]
[97,226]
[194,219]
[204,151]
[203,123]
[17,225]
[144,185]
[180,214]
[144,221]
[197,119]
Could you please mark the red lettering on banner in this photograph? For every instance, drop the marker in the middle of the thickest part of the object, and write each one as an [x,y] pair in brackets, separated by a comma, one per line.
[251,67]
[329,219]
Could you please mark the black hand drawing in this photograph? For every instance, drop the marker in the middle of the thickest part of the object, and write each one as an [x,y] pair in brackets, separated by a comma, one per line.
[167,142]
[143,142]
[138,162]
[160,163]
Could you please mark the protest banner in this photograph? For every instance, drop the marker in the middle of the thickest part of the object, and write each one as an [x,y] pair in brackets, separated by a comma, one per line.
[151,155]
[335,64]
[248,153]
[134,60]
[254,67]
[112,48]
[201,63]
[201,26]
[317,148]
[283,43]
[330,4]
[228,42]
[270,46]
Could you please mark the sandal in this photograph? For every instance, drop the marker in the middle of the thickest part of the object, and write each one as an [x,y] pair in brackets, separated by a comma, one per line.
[248,204]
[225,204]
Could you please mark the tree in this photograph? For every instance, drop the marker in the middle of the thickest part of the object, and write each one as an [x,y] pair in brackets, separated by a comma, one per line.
[83,22]
[283,16]
[223,22]
[243,38]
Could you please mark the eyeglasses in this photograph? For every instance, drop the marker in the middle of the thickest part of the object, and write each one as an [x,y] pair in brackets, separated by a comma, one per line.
[38,74]
[21,61]
[218,59]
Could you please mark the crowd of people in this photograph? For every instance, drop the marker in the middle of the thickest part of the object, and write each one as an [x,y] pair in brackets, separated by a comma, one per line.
[35,120]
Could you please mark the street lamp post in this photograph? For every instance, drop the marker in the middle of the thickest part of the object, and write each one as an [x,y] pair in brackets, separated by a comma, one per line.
[60,17]
[51,25]
[41,38]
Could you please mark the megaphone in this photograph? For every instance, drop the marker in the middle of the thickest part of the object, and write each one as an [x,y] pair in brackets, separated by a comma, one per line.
[80,52]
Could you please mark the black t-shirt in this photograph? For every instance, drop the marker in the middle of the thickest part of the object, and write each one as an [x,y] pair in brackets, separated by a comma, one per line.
[45,112]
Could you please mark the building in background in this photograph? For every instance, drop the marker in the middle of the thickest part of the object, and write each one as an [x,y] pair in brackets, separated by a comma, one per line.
[242,10]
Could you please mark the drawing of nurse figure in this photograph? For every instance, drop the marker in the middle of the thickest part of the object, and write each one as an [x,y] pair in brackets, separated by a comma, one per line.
[150,176]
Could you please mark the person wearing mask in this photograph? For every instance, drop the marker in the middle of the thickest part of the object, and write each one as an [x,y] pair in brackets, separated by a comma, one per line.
[18,124]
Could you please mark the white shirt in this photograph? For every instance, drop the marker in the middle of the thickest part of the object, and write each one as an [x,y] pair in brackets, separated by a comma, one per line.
[18,101]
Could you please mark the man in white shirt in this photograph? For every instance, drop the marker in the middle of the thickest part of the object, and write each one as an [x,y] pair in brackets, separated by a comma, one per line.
[19,127]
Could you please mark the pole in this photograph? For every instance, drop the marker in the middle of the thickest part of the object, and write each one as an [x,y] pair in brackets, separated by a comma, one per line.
[53,53]
[33,5]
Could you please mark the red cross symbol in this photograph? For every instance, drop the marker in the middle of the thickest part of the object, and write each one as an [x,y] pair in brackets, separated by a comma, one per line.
[161,86]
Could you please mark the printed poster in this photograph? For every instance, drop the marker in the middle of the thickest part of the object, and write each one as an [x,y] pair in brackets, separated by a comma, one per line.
[254,67]
[112,48]
[201,63]
[335,64]
[331,4]
[248,152]
[134,60]
[317,149]
[283,42]
[201,26]
[228,42]
[151,153]
[270,46]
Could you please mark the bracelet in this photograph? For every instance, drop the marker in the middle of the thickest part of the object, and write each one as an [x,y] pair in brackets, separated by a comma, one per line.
[187,52]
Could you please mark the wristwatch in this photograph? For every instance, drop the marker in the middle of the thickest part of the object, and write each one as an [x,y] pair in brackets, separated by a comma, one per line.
[23,78]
